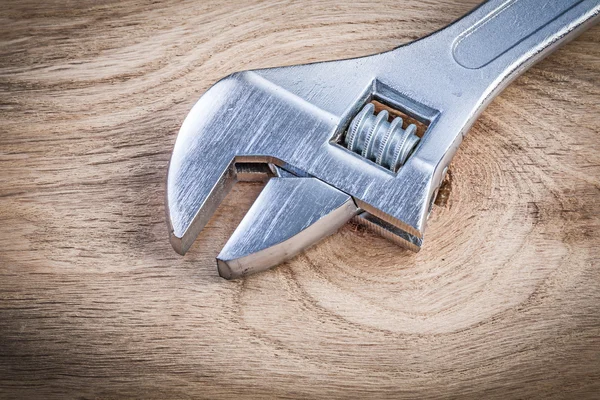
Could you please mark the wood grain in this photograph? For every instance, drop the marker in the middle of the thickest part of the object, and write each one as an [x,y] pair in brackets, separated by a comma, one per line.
[502,302]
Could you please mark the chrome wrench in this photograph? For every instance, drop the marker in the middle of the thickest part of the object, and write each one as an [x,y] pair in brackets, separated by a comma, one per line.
[331,158]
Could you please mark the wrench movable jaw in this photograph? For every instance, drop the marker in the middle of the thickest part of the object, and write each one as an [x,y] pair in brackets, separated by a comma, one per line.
[289,215]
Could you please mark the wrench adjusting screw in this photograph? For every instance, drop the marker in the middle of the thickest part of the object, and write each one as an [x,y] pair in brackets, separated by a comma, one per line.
[375,138]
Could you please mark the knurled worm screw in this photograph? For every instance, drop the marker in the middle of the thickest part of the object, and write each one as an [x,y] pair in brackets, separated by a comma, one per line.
[376,139]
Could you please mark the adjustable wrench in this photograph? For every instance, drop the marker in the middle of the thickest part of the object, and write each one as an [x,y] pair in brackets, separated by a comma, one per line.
[310,129]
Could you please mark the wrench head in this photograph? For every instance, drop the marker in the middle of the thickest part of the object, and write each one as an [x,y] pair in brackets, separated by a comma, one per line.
[291,117]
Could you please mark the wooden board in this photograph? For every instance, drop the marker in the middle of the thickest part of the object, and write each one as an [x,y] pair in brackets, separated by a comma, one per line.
[502,302]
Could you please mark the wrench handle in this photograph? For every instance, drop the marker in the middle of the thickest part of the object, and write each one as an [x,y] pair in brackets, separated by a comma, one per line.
[505,37]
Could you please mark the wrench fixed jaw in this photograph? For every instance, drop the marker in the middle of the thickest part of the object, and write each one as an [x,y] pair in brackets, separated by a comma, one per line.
[247,117]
